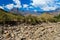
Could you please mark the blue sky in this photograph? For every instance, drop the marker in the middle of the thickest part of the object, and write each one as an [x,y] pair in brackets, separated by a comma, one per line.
[31,5]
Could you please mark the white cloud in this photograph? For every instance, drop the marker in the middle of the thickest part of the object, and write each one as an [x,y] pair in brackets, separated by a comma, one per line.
[1,7]
[30,6]
[18,3]
[45,5]
[35,10]
[41,2]
[25,6]
[49,8]
[9,6]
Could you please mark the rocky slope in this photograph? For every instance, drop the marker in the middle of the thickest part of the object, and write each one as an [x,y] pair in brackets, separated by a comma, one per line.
[44,31]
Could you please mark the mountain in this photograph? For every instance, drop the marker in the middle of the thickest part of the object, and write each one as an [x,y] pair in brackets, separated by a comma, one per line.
[56,12]
[22,12]
[8,16]
[25,13]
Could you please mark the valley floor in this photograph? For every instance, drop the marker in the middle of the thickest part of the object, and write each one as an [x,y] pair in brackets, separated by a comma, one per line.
[44,31]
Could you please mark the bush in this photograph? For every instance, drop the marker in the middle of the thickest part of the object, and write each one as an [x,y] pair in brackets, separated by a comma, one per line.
[45,17]
[31,19]
[57,18]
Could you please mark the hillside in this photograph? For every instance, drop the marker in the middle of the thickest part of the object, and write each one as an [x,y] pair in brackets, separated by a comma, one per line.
[8,17]
[11,18]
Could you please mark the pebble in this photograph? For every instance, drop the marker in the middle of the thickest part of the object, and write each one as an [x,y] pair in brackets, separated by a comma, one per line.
[30,32]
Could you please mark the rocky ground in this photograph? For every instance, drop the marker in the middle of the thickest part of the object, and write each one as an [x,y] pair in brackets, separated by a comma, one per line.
[44,31]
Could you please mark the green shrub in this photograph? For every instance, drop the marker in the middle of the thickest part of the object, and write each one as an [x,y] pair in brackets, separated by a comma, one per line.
[57,18]
[31,19]
[46,17]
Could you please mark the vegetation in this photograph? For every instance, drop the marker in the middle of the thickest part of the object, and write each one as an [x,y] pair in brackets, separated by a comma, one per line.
[57,18]
[31,19]
[11,17]
[45,17]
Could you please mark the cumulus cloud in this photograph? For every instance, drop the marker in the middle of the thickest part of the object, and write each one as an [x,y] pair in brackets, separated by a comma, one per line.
[30,6]
[41,2]
[35,10]
[49,8]
[1,7]
[45,5]
[9,6]
[18,3]
[25,5]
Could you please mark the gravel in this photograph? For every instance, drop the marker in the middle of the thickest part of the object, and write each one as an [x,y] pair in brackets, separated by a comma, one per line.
[44,31]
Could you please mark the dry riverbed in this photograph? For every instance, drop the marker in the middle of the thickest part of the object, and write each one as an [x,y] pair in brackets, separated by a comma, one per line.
[44,31]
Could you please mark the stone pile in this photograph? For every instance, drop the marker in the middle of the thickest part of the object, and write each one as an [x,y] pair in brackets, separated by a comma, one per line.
[44,31]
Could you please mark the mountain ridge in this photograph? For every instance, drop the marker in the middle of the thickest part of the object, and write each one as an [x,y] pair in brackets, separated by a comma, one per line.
[16,10]
[22,12]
